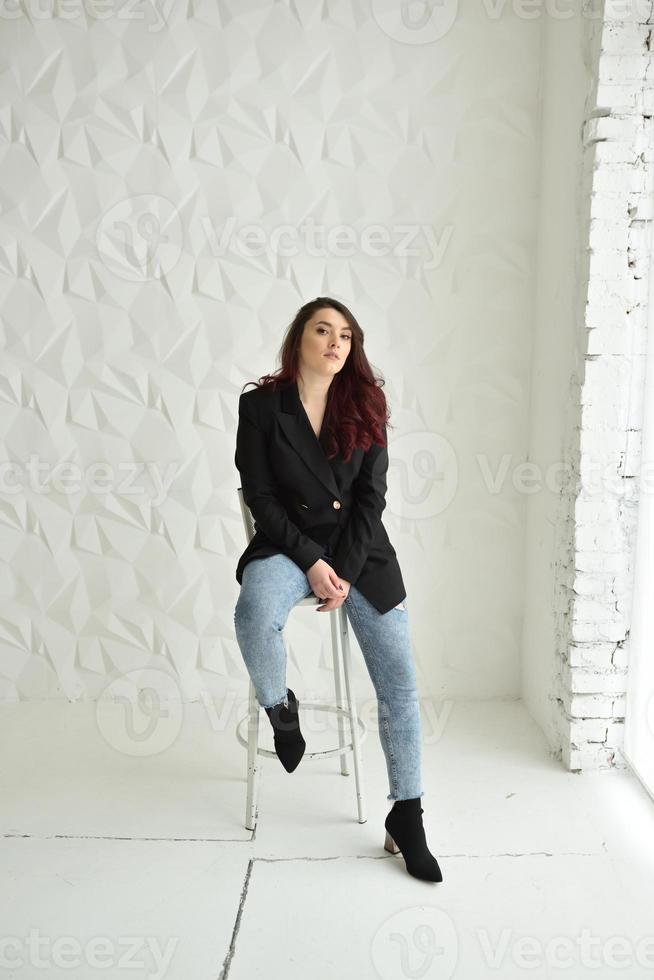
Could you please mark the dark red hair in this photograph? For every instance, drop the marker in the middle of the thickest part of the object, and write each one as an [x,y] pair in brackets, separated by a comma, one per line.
[356,408]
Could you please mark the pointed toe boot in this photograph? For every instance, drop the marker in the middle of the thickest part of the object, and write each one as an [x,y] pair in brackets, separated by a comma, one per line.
[289,743]
[405,834]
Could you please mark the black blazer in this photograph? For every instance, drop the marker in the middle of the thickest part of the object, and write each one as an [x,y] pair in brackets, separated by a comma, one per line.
[303,502]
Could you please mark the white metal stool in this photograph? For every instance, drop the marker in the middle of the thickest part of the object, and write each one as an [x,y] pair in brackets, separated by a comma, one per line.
[358,730]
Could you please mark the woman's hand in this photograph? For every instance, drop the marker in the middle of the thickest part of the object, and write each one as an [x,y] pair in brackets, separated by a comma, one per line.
[326,585]
[330,604]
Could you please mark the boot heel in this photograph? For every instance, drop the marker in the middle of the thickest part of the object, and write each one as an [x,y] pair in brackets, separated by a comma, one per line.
[390,845]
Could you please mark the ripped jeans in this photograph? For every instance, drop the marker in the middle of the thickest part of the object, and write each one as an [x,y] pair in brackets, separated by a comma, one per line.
[270,588]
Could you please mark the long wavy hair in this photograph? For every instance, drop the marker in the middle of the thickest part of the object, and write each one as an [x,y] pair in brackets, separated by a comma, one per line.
[356,410]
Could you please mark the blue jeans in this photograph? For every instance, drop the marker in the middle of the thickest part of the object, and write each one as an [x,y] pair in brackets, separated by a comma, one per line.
[270,588]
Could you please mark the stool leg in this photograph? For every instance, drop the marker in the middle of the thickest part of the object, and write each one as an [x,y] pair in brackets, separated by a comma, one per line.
[354,721]
[333,616]
[253,760]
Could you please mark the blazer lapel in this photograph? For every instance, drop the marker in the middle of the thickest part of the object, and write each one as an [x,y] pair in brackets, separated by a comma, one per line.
[297,429]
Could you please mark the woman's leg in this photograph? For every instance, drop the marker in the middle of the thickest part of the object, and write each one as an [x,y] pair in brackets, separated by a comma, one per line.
[270,588]
[386,646]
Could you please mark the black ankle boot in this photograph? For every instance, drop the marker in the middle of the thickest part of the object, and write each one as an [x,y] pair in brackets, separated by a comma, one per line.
[289,744]
[405,833]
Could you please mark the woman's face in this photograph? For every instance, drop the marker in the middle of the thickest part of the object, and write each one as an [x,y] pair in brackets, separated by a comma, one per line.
[326,332]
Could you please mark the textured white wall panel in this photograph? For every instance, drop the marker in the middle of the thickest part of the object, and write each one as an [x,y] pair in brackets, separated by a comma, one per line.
[133,154]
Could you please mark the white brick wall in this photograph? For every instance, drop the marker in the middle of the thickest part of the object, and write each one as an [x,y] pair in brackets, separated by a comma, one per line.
[599,511]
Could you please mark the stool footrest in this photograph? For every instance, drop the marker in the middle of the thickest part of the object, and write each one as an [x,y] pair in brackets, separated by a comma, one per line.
[320,753]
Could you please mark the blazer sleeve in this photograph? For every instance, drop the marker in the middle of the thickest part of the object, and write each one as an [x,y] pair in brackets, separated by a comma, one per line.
[258,486]
[364,520]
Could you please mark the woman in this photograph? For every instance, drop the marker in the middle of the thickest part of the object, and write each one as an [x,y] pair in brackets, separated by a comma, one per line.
[311,451]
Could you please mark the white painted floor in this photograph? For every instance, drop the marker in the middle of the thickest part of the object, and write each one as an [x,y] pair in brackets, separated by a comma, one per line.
[130,866]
